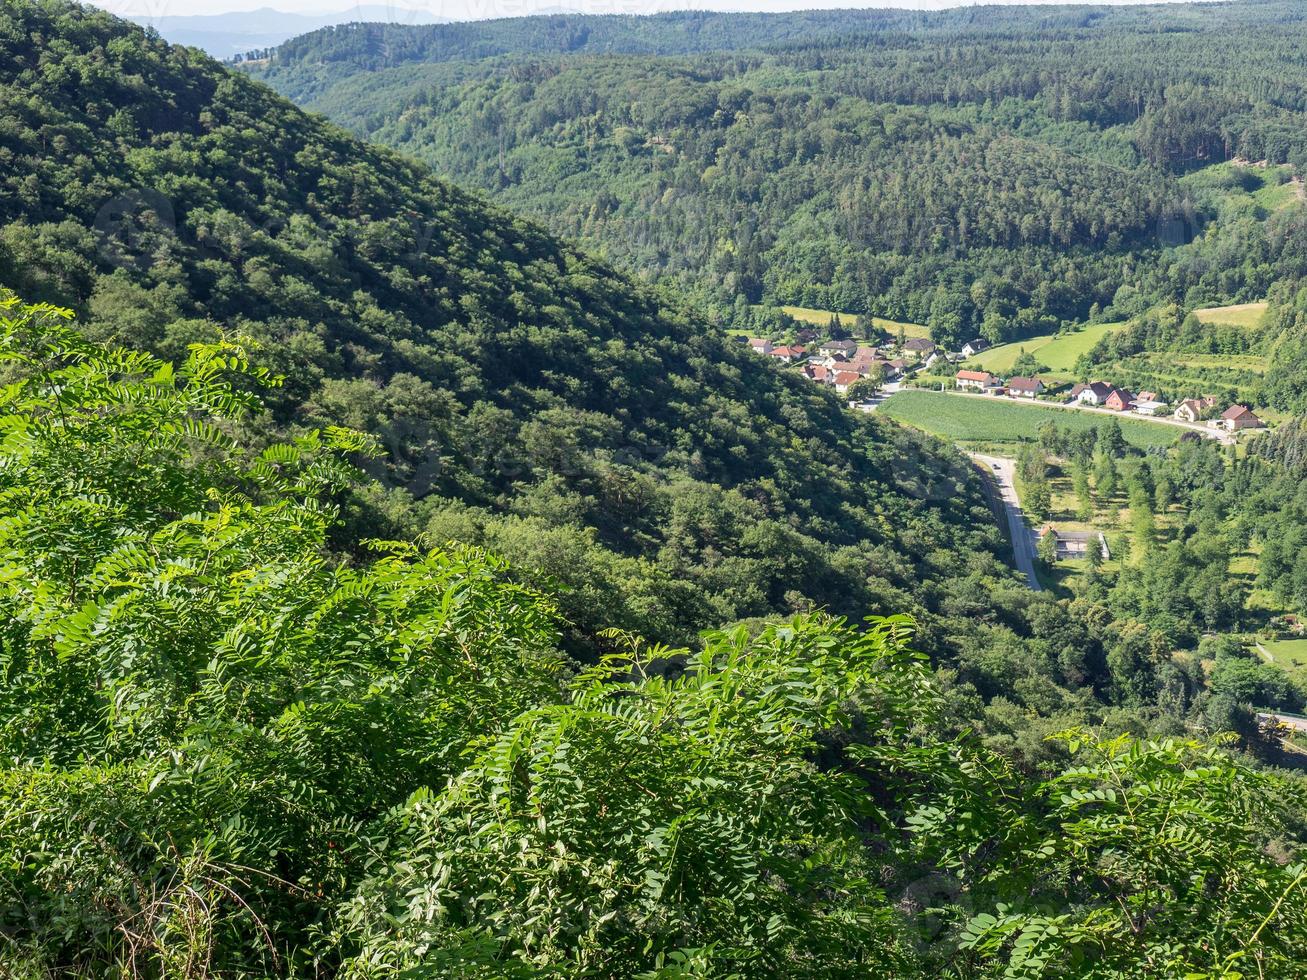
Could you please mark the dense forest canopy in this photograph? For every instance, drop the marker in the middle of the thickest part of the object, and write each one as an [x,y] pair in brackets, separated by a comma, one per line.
[994,171]
[527,396]
[227,753]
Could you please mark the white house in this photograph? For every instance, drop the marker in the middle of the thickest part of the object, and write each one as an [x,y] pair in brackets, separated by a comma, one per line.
[1193,409]
[844,380]
[1096,393]
[1238,417]
[976,381]
[843,348]
[1024,387]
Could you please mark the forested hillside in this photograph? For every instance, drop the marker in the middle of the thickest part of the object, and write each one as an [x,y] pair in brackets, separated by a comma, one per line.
[273,703]
[524,395]
[994,173]
[227,754]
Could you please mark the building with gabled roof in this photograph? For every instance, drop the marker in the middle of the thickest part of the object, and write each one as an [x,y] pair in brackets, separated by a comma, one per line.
[1193,409]
[1120,400]
[976,380]
[1238,417]
[1094,393]
[1024,387]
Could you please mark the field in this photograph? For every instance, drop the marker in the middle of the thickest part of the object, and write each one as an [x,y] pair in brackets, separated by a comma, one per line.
[999,421]
[1058,351]
[1290,656]
[822,317]
[1243,315]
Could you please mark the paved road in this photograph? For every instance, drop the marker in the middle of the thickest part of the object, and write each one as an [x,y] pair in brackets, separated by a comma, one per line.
[1002,472]
[1296,722]
[1201,428]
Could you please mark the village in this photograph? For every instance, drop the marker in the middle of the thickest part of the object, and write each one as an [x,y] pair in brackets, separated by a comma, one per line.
[864,372]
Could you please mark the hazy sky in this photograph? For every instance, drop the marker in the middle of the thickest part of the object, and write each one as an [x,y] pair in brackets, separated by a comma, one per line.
[479,9]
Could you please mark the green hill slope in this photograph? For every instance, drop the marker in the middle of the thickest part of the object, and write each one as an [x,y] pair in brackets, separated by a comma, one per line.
[523,394]
[998,172]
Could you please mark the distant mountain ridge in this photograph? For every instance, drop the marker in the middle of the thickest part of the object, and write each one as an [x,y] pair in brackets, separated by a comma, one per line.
[996,171]
[230,34]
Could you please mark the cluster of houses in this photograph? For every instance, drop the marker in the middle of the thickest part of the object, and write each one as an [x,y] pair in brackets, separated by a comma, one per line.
[1101,394]
[990,384]
[843,363]
[1233,419]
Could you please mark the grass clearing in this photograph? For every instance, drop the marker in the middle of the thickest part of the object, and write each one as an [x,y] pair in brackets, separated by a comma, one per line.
[1290,656]
[1002,421]
[1263,190]
[1058,351]
[821,318]
[1239,315]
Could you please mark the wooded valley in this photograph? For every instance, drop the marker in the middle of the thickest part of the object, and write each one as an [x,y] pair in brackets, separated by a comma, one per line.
[408,571]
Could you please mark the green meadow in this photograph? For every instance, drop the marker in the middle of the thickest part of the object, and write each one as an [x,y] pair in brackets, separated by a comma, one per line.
[1059,352]
[1240,315]
[999,420]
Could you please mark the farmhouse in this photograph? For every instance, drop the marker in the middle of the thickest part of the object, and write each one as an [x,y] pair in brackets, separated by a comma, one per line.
[840,348]
[760,345]
[919,346]
[846,379]
[1024,387]
[976,381]
[973,347]
[1238,417]
[788,355]
[1193,409]
[1095,393]
[1120,400]
[1075,544]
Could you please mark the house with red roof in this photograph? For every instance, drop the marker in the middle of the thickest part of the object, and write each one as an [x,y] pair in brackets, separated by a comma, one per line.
[846,379]
[976,381]
[1193,409]
[789,354]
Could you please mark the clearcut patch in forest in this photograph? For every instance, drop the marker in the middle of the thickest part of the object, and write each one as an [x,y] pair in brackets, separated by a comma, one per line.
[821,318]
[1239,315]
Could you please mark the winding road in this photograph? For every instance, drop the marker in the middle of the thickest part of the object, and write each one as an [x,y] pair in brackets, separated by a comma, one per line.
[1002,472]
